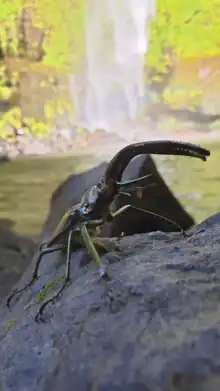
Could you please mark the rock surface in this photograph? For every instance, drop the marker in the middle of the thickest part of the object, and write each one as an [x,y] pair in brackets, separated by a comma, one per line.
[162,334]
[15,254]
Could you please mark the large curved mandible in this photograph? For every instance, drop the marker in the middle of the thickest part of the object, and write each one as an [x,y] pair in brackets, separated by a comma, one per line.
[119,162]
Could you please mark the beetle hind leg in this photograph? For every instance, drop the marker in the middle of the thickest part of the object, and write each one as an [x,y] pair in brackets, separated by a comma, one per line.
[67,280]
[105,244]
[35,271]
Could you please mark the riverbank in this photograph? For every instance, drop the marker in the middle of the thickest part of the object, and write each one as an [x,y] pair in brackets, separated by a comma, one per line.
[100,142]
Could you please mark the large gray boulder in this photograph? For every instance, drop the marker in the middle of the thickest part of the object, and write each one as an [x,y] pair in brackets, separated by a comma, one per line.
[162,334]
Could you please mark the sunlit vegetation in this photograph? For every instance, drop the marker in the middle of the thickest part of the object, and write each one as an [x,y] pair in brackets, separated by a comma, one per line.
[50,32]
[53,26]
[185,29]
[45,31]
[62,23]
[13,121]
[182,30]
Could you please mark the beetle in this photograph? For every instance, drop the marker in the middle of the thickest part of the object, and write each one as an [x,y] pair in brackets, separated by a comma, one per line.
[80,222]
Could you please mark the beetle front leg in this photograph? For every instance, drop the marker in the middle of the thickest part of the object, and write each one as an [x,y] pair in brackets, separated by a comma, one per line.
[39,315]
[89,244]
[43,252]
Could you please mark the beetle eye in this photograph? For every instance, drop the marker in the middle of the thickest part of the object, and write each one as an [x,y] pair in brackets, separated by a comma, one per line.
[93,195]
[85,209]
[99,186]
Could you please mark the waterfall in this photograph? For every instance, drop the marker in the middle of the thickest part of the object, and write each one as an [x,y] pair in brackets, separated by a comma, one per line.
[111,86]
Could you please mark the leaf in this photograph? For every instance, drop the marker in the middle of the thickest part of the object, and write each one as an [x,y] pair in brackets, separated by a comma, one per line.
[189,28]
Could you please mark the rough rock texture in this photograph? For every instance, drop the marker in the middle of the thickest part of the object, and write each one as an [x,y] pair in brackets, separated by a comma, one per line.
[162,334]
[15,254]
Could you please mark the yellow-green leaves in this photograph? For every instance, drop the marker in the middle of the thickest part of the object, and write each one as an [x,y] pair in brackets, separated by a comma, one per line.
[186,28]
[13,120]
[9,11]
[63,24]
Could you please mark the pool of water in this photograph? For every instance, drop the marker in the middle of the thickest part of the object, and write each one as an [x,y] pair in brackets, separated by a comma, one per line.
[26,185]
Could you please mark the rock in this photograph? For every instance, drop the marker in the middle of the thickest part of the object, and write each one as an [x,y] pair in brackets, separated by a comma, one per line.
[211,222]
[157,199]
[15,254]
[162,333]
[3,158]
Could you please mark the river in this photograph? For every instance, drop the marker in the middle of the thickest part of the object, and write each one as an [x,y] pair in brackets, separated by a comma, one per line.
[26,185]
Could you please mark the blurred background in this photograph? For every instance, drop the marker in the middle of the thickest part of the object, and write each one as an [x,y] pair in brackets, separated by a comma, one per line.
[79,78]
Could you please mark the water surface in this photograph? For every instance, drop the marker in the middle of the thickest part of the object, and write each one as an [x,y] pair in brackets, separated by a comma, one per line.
[26,185]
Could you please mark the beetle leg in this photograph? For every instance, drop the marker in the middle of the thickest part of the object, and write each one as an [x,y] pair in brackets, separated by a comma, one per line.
[39,315]
[88,241]
[105,244]
[43,252]
[123,209]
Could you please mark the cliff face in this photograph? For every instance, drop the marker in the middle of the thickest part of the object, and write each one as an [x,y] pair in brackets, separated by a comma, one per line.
[37,84]
[192,88]
[30,37]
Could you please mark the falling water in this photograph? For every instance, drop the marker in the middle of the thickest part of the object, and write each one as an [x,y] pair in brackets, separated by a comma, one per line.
[111,86]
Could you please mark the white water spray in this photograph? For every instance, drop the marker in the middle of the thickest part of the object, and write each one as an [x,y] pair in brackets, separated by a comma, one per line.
[111,87]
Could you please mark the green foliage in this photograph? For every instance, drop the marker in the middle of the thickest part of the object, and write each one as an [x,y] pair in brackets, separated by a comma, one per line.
[8,326]
[62,22]
[9,11]
[11,324]
[178,97]
[38,128]
[42,295]
[6,84]
[186,28]
[14,120]
[57,106]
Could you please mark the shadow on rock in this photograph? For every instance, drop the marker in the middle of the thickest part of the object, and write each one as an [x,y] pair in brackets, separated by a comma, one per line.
[16,253]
